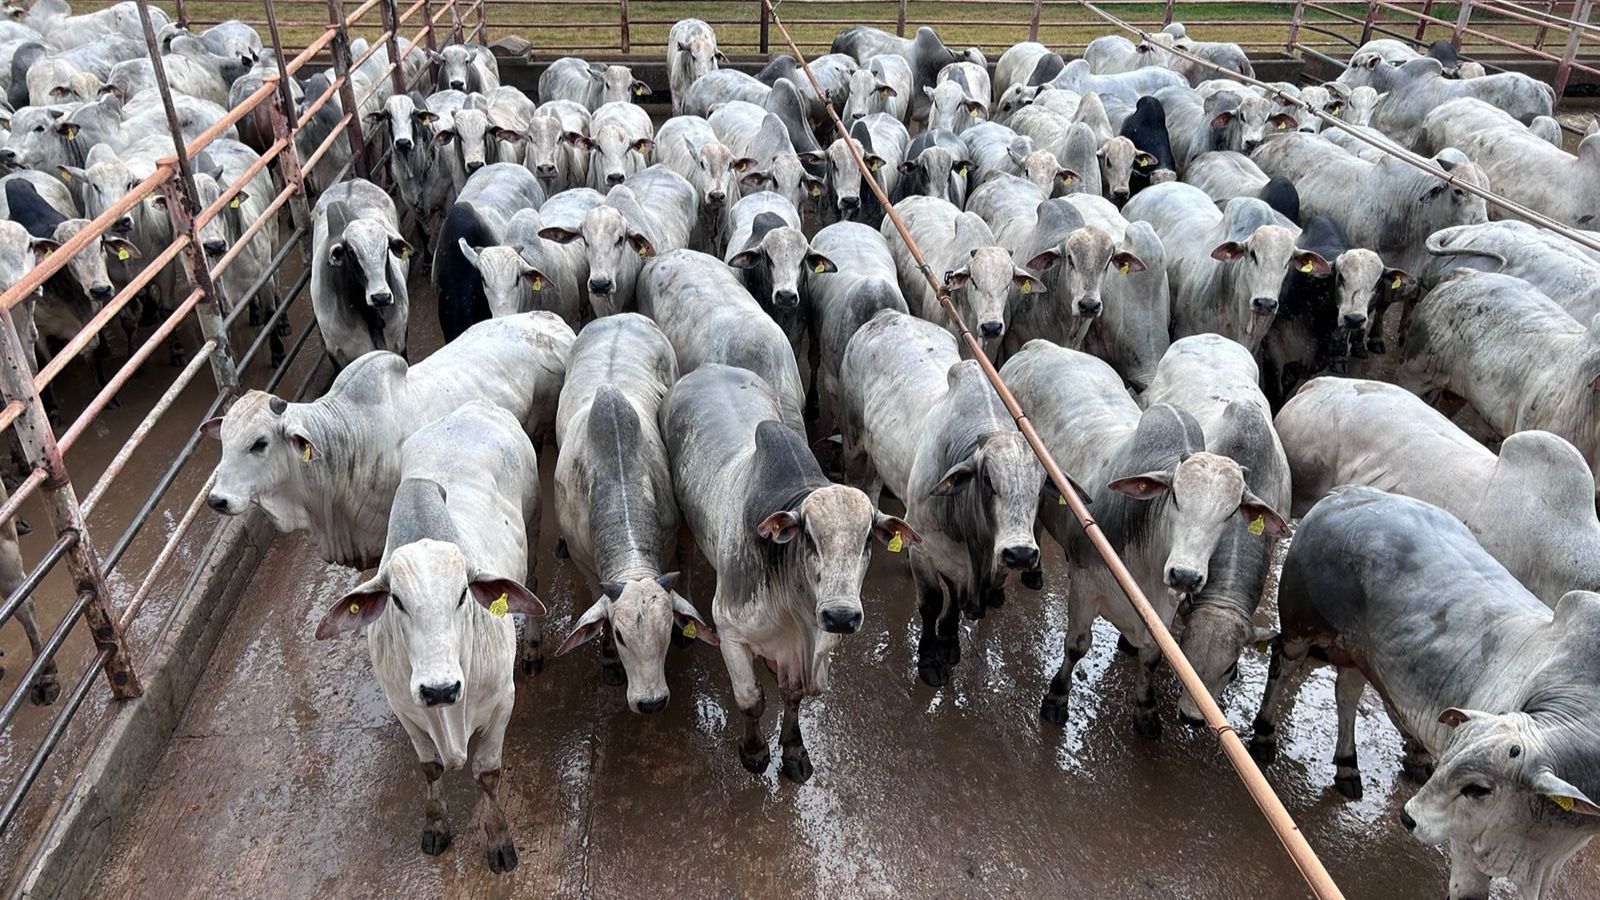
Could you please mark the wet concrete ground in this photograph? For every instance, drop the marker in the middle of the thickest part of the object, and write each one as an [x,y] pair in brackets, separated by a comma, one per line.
[289,776]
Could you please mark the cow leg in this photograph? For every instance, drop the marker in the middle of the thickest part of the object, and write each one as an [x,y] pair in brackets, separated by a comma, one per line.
[796,764]
[1347,694]
[502,853]
[931,665]
[47,686]
[611,671]
[813,411]
[1416,763]
[436,831]
[1287,657]
[1145,719]
[753,750]
[1466,882]
[1076,643]
[530,645]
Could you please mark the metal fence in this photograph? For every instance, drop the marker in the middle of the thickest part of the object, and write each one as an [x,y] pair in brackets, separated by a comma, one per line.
[104,610]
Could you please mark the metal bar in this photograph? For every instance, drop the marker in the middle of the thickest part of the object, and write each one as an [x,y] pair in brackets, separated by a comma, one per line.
[58,727]
[1166,14]
[899,19]
[281,113]
[44,658]
[61,503]
[170,547]
[13,504]
[1422,21]
[42,568]
[483,23]
[1294,842]
[1564,70]
[181,8]
[1366,25]
[391,27]
[1294,25]
[622,26]
[183,203]
[765,26]
[347,97]
[1033,20]
[1462,19]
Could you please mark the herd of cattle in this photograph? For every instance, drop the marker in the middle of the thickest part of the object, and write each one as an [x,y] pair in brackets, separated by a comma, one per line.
[1162,258]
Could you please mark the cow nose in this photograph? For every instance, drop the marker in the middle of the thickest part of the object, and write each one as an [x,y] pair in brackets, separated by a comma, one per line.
[785,299]
[614,178]
[841,619]
[215,247]
[220,504]
[474,166]
[991,329]
[1355,320]
[403,145]
[383,299]
[1251,145]
[101,291]
[849,202]
[1020,557]
[124,224]
[600,285]
[8,155]
[440,695]
[717,196]
[1089,306]
[458,85]
[655,705]
[1407,821]
[545,170]
[1264,306]
[1184,579]
[1120,195]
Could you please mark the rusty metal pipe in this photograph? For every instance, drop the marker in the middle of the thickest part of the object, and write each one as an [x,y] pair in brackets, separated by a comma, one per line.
[13,504]
[46,655]
[58,727]
[36,575]
[162,558]
[1294,842]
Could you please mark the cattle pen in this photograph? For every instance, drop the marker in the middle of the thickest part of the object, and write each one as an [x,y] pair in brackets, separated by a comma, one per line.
[176,733]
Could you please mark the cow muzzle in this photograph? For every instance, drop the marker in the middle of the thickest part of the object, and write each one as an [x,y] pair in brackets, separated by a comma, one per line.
[404,145]
[615,178]
[474,166]
[840,618]
[600,285]
[1089,307]
[102,292]
[1354,320]
[1185,579]
[545,171]
[1264,306]
[380,300]
[215,248]
[222,504]
[991,330]
[458,85]
[785,300]
[1020,557]
[439,694]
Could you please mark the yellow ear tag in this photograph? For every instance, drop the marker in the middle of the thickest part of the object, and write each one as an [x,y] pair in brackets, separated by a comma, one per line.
[355,609]
[538,284]
[1258,524]
[638,92]
[499,606]
[65,175]
[1144,486]
[1124,269]
[1061,499]
[1263,646]
[895,543]
[122,254]
[643,252]
[305,454]
[234,203]
[689,631]
[1307,267]
[816,191]
[820,268]
[875,166]
[1565,803]
[1395,284]
[1027,286]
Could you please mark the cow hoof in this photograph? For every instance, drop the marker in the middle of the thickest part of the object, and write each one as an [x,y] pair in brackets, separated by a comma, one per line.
[1126,646]
[1416,772]
[613,675]
[1147,727]
[1054,710]
[796,768]
[1348,785]
[561,549]
[44,693]
[995,598]
[435,842]
[1375,345]
[933,672]
[502,858]
[1033,580]
[755,758]
[1263,749]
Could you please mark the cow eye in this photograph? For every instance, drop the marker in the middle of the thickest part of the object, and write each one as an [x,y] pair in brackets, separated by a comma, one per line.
[259,446]
[618,635]
[461,599]
[38,129]
[1476,791]
[397,604]
[1252,256]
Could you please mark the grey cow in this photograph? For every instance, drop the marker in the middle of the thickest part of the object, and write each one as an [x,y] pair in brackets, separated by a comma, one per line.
[862,282]
[1529,506]
[711,318]
[925,53]
[751,132]
[358,272]
[790,549]
[1479,675]
[1216,381]
[1161,498]
[1224,266]
[1134,329]
[921,421]
[1563,269]
[621,142]
[469,68]
[613,493]
[772,257]
[689,146]
[1520,165]
[1513,354]
[1418,87]
[590,85]
[1226,120]
[691,55]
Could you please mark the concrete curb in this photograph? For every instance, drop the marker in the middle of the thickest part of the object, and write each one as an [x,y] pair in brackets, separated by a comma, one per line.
[85,820]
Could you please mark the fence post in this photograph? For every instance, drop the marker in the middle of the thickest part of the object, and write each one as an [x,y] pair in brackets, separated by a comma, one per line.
[900,20]
[622,24]
[483,23]
[347,96]
[391,24]
[1461,23]
[61,502]
[1033,21]
[181,14]
[1423,23]
[1166,14]
[1367,23]
[1564,71]
[1544,28]
[1294,26]
[454,37]
[282,113]
[766,22]
[431,41]
[183,204]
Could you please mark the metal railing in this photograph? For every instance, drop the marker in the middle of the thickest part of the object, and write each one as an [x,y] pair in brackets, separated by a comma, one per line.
[109,606]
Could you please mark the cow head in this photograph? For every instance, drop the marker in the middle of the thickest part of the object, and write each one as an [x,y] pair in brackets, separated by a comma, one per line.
[1361,278]
[782,257]
[844,176]
[507,277]
[981,288]
[264,446]
[455,63]
[546,144]
[953,109]
[1016,97]
[615,249]
[614,155]
[785,174]
[867,95]
[1255,273]
[1207,491]
[1041,168]
[1078,264]
[468,133]
[1445,204]
[1116,167]
[938,172]
[617,84]
[716,172]
[371,257]
[89,271]
[699,55]
[642,614]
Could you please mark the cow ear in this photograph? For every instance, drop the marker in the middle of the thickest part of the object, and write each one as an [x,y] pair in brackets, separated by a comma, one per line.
[1044,260]
[1067,176]
[502,595]
[68,130]
[425,117]
[535,278]
[1283,122]
[817,264]
[1311,263]
[304,449]
[644,146]
[1026,283]
[1454,716]
[685,613]
[577,139]
[745,259]
[957,279]
[1262,518]
[559,235]
[374,118]
[1564,794]
[468,252]
[908,166]
[957,479]
[212,428]
[887,528]
[640,89]
[1222,120]
[740,165]
[885,90]
[1148,486]
[400,248]
[507,134]
[354,609]
[71,173]
[814,186]
[755,180]
[43,247]
[1227,251]
[1395,280]
[781,527]
[124,250]
[1049,492]
[642,245]
[1126,263]
[590,625]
